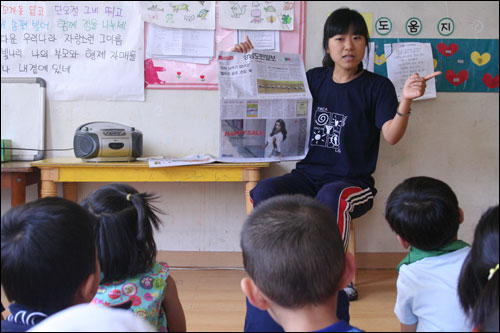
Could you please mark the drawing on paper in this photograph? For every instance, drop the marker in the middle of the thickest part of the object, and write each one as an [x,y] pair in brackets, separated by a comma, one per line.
[180,14]
[261,15]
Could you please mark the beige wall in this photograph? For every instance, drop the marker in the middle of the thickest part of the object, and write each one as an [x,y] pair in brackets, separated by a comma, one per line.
[454,138]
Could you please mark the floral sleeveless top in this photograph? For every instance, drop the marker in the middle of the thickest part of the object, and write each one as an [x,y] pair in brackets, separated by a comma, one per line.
[145,290]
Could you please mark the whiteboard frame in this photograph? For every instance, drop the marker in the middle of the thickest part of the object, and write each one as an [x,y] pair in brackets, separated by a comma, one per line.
[33,80]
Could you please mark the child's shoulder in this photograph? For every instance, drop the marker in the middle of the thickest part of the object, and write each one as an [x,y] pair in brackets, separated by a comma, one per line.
[160,267]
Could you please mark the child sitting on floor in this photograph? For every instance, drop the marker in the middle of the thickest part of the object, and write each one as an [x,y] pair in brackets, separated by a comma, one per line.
[49,260]
[296,263]
[127,253]
[478,284]
[424,214]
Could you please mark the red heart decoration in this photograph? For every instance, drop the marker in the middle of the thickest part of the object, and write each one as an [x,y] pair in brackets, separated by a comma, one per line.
[457,79]
[202,77]
[489,81]
[179,73]
[447,50]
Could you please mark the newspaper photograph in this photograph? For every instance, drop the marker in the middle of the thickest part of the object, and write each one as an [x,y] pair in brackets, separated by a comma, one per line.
[265,106]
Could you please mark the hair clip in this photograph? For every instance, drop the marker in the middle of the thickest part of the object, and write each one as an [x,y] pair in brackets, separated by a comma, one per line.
[128,196]
[492,272]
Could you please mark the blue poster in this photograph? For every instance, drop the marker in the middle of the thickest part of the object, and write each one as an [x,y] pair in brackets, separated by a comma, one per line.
[468,65]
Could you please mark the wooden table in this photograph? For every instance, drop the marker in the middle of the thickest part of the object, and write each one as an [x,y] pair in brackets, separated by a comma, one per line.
[71,171]
[17,176]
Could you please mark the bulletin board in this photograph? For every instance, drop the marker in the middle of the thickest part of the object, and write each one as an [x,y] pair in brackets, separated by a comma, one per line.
[468,65]
[167,74]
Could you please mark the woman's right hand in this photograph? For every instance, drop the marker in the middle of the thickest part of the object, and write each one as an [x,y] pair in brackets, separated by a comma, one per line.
[243,47]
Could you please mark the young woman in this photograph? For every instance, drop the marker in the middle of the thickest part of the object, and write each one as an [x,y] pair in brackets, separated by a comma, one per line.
[277,136]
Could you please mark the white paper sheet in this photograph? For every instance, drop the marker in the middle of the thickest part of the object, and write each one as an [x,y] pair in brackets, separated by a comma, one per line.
[90,50]
[369,59]
[406,59]
[257,15]
[261,39]
[180,42]
[157,162]
[180,14]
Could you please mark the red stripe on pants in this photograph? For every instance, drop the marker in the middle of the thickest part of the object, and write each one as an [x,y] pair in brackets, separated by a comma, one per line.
[343,206]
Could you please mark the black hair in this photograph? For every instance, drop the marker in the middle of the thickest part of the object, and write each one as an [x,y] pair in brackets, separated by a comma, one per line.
[339,23]
[478,293]
[424,212]
[124,235]
[293,251]
[283,128]
[48,251]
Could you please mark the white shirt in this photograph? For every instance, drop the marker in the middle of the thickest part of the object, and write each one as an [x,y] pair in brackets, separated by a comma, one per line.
[93,318]
[427,294]
[270,145]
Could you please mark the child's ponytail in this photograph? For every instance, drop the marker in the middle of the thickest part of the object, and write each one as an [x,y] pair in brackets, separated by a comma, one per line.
[146,213]
[125,232]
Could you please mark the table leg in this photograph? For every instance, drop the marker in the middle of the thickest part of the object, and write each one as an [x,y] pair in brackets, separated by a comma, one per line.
[70,191]
[18,188]
[49,188]
[351,248]
[252,177]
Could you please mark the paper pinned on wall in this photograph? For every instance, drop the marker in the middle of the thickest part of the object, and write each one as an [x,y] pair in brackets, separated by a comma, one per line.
[257,15]
[261,40]
[168,43]
[369,59]
[180,14]
[84,50]
[404,60]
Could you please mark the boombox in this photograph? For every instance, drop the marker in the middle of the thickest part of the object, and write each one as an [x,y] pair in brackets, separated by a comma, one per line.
[107,142]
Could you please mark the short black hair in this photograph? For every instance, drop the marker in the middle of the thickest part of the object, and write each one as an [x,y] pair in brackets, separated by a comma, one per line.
[293,251]
[48,251]
[124,234]
[479,295]
[424,212]
[339,23]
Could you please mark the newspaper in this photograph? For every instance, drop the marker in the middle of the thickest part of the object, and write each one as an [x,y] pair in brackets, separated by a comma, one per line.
[265,106]
[158,162]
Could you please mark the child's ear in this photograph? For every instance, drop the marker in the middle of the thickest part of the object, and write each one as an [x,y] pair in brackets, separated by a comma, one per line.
[253,293]
[403,243]
[350,269]
[461,214]
[87,290]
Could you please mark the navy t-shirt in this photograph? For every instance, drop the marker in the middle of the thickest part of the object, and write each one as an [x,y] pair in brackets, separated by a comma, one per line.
[346,123]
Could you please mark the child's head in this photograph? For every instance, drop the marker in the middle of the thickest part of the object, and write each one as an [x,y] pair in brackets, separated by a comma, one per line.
[124,234]
[49,259]
[341,22]
[424,212]
[293,253]
[478,283]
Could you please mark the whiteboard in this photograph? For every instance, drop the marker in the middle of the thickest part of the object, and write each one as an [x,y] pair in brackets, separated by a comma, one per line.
[23,116]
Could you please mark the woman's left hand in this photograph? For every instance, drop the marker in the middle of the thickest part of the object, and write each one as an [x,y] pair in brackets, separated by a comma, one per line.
[415,85]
